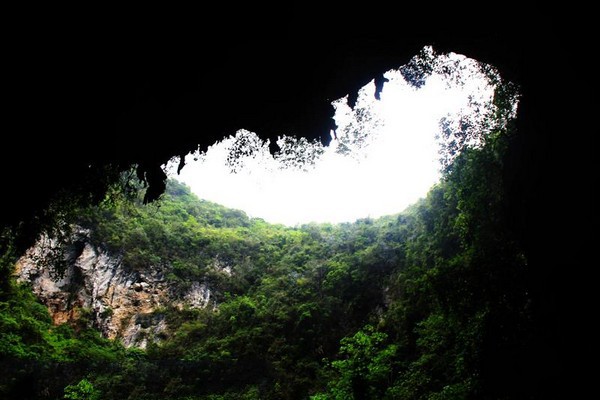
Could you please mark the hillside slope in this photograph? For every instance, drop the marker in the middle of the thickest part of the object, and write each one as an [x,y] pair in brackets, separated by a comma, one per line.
[431,303]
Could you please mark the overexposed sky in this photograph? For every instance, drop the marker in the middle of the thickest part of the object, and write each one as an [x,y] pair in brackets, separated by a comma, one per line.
[393,167]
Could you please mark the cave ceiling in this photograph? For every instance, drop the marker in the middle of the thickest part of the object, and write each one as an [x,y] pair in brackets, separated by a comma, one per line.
[84,99]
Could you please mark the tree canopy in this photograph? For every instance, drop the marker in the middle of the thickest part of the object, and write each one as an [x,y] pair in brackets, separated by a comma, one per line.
[432,303]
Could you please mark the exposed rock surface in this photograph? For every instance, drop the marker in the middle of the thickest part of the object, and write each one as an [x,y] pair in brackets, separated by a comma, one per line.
[121,302]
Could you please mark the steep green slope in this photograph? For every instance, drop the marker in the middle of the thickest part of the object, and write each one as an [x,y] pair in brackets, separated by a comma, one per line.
[428,304]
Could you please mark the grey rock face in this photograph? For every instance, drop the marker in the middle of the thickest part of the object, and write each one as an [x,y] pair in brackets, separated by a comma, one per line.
[122,303]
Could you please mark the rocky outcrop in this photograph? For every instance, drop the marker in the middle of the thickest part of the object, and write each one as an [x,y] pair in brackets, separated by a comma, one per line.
[198,296]
[122,303]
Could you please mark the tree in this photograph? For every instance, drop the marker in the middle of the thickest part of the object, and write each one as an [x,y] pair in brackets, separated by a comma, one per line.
[366,369]
[83,390]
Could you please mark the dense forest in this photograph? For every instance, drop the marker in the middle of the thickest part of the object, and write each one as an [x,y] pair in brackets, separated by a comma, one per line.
[432,303]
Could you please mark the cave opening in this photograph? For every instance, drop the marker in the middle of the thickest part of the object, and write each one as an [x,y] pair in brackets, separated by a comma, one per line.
[390,144]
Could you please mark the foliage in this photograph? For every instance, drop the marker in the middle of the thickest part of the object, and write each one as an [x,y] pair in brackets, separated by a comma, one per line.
[84,390]
[365,370]
[432,303]
[37,357]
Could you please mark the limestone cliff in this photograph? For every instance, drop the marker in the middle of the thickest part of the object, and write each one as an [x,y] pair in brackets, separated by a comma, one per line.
[121,302]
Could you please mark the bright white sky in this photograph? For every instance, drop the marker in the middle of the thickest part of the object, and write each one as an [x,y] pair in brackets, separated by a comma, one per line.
[396,166]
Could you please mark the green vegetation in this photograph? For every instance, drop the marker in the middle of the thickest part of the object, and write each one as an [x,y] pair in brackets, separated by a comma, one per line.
[429,304]
[84,390]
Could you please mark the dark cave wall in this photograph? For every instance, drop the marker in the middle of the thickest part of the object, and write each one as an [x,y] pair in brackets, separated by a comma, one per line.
[84,100]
